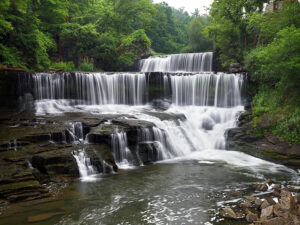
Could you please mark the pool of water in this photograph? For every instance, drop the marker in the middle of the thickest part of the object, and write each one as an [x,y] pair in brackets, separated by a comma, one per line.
[186,190]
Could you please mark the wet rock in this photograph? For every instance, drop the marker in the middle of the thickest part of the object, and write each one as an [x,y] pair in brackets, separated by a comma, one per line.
[251,217]
[257,202]
[43,217]
[298,210]
[270,200]
[278,211]
[269,182]
[60,162]
[293,189]
[228,213]
[275,221]
[246,204]
[260,187]
[167,116]
[265,204]
[266,146]
[287,201]
[277,187]
[252,199]
[276,193]
[267,213]
[148,152]
[131,124]
[297,199]
[208,124]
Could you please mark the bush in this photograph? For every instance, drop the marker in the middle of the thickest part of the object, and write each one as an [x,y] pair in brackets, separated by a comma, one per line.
[87,67]
[288,127]
[64,66]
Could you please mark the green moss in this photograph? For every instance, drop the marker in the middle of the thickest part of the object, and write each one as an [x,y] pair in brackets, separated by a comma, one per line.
[278,156]
[32,183]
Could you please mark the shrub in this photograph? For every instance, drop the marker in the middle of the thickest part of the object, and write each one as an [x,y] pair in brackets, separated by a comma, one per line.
[64,66]
[87,67]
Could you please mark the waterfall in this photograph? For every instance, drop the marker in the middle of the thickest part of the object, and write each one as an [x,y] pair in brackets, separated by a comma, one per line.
[92,88]
[84,164]
[203,89]
[209,102]
[219,90]
[162,146]
[77,131]
[120,150]
[191,62]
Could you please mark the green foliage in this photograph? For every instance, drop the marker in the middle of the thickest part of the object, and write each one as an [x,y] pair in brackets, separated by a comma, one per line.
[11,56]
[132,47]
[86,67]
[228,28]
[110,33]
[279,63]
[168,29]
[268,44]
[137,37]
[64,66]
[199,42]
[288,127]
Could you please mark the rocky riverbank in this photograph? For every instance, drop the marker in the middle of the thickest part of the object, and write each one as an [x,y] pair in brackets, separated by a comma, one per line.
[266,146]
[37,152]
[268,204]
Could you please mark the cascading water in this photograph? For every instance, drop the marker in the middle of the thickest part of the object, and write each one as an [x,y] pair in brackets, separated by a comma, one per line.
[162,148]
[77,130]
[191,62]
[89,88]
[219,90]
[120,150]
[85,167]
[209,102]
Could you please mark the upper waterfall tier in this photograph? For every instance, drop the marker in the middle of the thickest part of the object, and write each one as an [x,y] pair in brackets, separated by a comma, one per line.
[202,89]
[191,62]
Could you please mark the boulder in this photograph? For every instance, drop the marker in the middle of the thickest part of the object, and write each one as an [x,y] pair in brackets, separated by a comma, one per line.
[287,201]
[246,204]
[258,203]
[251,217]
[265,204]
[250,198]
[270,200]
[278,211]
[267,213]
[275,221]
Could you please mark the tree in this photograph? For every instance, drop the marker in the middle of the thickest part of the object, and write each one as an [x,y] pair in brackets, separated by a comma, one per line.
[198,41]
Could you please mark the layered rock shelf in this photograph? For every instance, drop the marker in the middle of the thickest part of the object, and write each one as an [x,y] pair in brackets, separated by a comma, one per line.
[36,152]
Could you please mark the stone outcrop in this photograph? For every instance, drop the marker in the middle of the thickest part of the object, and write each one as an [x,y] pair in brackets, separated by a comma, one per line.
[37,151]
[266,146]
